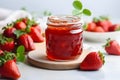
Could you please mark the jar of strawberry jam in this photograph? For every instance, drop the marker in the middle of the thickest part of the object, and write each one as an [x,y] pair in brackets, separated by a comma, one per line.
[63,38]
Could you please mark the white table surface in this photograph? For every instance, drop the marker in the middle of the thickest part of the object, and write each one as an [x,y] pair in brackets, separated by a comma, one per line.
[109,71]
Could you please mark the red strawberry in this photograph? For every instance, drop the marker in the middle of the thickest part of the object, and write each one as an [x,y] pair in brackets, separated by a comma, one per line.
[93,61]
[27,42]
[114,27]
[9,32]
[20,25]
[37,27]
[6,44]
[104,24]
[91,26]
[10,70]
[98,29]
[112,47]
[25,20]
[36,35]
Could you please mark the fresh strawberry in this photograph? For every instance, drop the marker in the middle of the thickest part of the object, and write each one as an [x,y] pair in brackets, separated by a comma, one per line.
[103,22]
[36,35]
[37,27]
[98,29]
[115,27]
[8,67]
[10,70]
[9,32]
[112,47]
[91,26]
[20,25]
[25,20]
[93,61]
[6,44]
[27,42]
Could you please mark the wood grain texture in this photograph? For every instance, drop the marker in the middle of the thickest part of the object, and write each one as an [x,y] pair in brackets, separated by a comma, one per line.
[38,58]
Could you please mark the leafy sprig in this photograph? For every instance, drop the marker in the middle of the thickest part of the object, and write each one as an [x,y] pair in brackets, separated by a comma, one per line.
[20,54]
[79,10]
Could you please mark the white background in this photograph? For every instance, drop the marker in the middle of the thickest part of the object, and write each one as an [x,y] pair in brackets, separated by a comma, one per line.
[98,7]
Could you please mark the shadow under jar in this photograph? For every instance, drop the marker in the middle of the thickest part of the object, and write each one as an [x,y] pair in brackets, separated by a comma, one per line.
[64,38]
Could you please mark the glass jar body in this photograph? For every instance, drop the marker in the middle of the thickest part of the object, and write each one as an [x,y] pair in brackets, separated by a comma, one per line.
[64,42]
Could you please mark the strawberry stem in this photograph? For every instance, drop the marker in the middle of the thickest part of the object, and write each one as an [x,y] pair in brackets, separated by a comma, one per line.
[102,56]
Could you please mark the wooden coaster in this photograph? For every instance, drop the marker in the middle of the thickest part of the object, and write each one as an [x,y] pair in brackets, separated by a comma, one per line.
[38,58]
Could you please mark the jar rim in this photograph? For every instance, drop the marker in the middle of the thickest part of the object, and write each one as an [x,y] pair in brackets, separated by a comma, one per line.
[64,20]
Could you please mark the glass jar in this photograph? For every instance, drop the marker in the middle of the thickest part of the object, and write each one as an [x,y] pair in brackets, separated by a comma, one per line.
[63,38]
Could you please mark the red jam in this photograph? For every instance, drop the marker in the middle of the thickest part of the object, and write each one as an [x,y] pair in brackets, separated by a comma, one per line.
[63,38]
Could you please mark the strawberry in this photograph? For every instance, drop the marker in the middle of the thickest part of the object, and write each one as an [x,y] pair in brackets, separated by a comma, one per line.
[6,44]
[37,27]
[103,22]
[27,42]
[20,25]
[10,70]
[98,29]
[91,26]
[93,61]
[112,47]
[8,67]
[25,20]
[115,27]
[9,32]
[36,35]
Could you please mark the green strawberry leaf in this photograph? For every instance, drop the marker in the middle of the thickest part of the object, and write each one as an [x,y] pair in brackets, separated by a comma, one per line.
[77,5]
[107,43]
[9,55]
[4,39]
[18,33]
[6,56]
[95,19]
[87,12]
[20,54]
[101,56]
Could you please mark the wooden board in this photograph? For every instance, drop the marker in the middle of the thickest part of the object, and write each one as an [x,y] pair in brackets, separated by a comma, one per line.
[38,58]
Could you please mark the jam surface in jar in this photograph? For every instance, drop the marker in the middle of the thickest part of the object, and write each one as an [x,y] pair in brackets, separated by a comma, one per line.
[63,38]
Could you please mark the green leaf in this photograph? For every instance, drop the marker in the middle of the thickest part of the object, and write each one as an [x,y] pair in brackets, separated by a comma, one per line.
[28,29]
[77,5]
[85,26]
[20,53]
[47,13]
[76,12]
[18,33]
[87,12]
[95,19]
